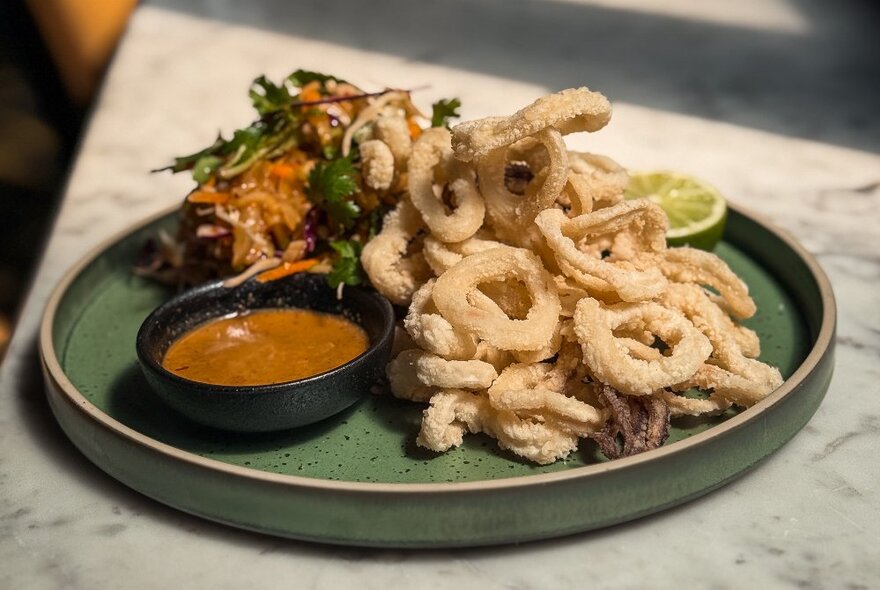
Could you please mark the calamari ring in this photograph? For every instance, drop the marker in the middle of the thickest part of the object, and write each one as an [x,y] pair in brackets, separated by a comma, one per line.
[578,195]
[451,414]
[639,342]
[610,361]
[435,371]
[594,182]
[578,382]
[541,442]
[394,131]
[547,351]
[732,375]
[727,389]
[431,332]
[748,341]
[689,265]
[509,297]
[403,379]
[510,213]
[549,181]
[638,350]
[529,376]
[455,285]
[373,110]
[723,385]
[563,376]
[638,334]
[395,274]
[569,294]
[603,277]
[494,356]
[551,407]
[568,111]
[377,164]
[431,152]
[680,405]
[442,256]
[597,164]
[733,388]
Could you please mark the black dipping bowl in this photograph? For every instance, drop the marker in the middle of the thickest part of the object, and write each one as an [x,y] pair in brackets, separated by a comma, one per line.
[262,408]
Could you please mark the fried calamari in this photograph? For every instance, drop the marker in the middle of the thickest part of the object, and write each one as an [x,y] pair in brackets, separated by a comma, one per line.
[544,307]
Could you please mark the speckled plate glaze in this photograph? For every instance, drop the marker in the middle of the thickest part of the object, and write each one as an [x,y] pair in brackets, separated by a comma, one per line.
[358,478]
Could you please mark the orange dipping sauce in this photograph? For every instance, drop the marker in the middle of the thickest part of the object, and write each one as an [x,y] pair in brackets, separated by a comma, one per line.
[265,346]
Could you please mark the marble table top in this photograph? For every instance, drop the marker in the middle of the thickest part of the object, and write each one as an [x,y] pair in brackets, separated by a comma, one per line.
[773,102]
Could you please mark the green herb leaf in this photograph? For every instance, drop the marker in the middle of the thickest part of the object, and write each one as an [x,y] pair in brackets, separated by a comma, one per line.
[302,77]
[268,97]
[443,110]
[377,219]
[205,167]
[343,212]
[247,146]
[330,185]
[330,151]
[274,133]
[246,138]
[347,268]
[187,162]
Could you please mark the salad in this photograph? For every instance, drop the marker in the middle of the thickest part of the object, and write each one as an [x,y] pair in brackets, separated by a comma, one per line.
[287,193]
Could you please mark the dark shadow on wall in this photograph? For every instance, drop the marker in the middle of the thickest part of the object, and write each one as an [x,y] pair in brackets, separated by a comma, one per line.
[821,84]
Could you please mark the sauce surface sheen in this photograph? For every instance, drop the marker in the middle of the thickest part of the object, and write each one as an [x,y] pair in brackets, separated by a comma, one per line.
[265,346]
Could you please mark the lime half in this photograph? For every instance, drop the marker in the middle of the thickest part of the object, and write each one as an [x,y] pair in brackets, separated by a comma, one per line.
[696,211]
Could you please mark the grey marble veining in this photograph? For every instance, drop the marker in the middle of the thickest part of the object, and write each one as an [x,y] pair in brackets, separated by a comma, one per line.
[808,517]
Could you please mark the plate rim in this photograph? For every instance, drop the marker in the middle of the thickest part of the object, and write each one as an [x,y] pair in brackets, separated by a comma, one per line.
[54,371]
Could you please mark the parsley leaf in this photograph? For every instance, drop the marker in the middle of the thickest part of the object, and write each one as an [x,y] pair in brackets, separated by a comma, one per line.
[443,110]
[330,185]
[268,97]
[377,219]
[273,134]
[302,77]
[347,268]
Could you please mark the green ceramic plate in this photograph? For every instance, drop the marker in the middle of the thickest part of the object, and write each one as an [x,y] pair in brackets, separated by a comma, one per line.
[358,478]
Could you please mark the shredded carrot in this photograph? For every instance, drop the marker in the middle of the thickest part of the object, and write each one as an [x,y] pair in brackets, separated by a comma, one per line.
[282,170]
[414,129]
[285,269]
[206,197]
[310,92]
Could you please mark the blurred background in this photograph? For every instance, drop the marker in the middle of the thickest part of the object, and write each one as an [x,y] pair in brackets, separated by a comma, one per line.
[52,56]
[799,68]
